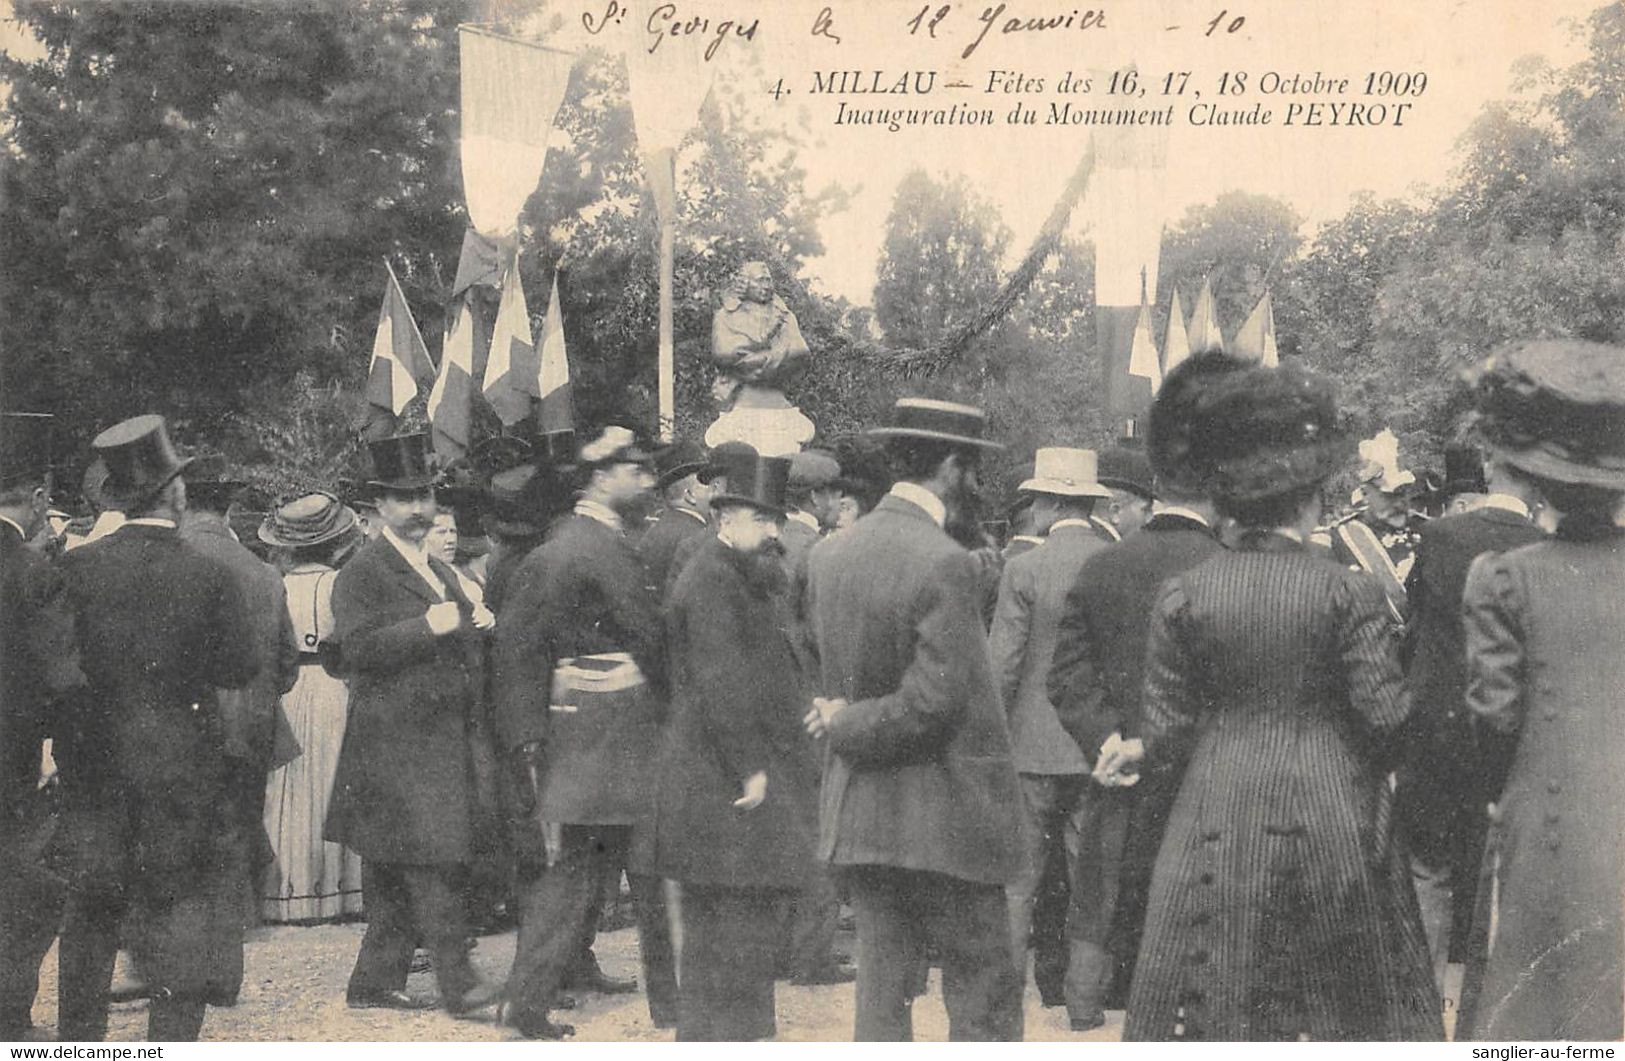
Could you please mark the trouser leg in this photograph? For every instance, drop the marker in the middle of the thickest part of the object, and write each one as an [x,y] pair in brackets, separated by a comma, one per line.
[655,951]
[727,988]
[31,906]
[439,918]
[173,939]
[967,922]
[890,948]
[811,915]
[89,946]
[556,905]
[1097,819]
[1037,833]
[1433,897]
[385,957]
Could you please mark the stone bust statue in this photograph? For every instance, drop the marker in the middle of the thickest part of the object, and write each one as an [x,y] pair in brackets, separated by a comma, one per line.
[756,343]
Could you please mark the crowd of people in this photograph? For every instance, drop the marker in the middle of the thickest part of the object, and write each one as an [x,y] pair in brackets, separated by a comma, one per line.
[1189,741]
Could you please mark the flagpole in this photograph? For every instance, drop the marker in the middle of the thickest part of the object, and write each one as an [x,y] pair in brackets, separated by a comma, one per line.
[479,30]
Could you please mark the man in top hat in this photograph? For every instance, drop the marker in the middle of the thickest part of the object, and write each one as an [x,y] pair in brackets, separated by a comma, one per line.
[736,805]
[1447,782]
[150,824]
[579,683]
[1126,471]
[1094,684]
[1465,486]
[686,514]
[411,647]
[40,667]
[251,717]
[920,800]
[1053,769]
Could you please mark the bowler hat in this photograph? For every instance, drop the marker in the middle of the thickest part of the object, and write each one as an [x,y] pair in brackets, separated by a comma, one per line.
[1555,408]
[721,457]
[313,519]
[140,459]
[754,480]
[403,462]
[1065,473]
[1127,468]
[679,461]
[25,447]
[939,421]
[812,469]
[1264,432]
[518,501]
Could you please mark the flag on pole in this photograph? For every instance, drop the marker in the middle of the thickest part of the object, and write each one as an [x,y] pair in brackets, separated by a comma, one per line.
[400,360]
[511,367]
[1204,334]
[451,402]
[553,375]
[511,91]
[1176,345]
[1256,340]
[1142,357]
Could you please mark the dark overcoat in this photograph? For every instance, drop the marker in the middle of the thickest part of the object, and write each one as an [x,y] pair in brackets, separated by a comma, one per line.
[142,754]
[582,593]
[1279,907]
[1544,638]
[920,775]
[405,790]
[738,697]
[659,545]
[39,662]
[1095,681]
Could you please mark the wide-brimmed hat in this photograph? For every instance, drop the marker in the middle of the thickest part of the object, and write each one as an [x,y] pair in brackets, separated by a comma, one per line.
[1065,472]
[209,479]
[679,461]
[1263,432]
[25,447]
[1555,408]
[1168,431]
[616,445]
[1127,468]
[754,480]
[140,460]
[314,519]
[939,421]
[403,462]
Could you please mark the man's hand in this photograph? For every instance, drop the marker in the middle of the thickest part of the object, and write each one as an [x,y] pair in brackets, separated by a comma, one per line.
[824,711]
[443,617]
[755,791]
[1117,759]
[483,618]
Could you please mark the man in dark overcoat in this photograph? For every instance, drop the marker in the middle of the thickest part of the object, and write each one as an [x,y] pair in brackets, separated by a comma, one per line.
[1054,770]
[1094,682]
[920,805]
[686,514]
[405,797]
[580,674]
[1452,774]
[147,827]
[39,666]
[736,809]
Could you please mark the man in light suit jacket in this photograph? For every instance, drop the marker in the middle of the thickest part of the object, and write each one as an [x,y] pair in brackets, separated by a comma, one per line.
[1054,770]
[919,803]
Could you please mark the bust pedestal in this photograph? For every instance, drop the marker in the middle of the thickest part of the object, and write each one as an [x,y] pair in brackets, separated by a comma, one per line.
[763,418]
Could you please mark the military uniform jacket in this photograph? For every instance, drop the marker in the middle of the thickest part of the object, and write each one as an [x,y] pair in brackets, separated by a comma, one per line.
[582,594]
[738,697]
[142,754]
[920,775]
[405,790]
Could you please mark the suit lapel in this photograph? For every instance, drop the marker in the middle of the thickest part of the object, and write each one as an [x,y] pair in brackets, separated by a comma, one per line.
[454,585]
[409,578]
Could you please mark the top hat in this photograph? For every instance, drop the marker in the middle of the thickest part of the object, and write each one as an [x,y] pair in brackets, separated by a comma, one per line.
[208,479]
[314,519]
[939,421]
[813,469]
[1127,468]
[615,445]
[678,462]
[1555,408]
[1064,473]
[557,447]
[754,480]
[498,453]
[1168,427]
[1464,471]
[140,460]
[402,462]
[721,457]
[25,447]
[1263,432]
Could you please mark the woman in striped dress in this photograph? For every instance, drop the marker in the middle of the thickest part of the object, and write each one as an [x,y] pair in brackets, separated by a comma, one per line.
[311,879]
[1279,909]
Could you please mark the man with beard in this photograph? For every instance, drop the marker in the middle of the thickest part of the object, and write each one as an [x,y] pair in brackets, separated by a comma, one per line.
[1094,682]
[579,684]
[920,802]
[736,810]
[410,645]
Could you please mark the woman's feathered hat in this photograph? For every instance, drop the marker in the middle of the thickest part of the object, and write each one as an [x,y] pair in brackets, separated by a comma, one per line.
[1556,409]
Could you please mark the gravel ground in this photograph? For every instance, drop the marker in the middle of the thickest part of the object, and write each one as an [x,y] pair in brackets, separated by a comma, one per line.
[294,991]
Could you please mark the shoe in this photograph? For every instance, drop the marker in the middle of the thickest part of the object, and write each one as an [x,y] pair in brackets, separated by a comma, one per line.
[833,973]
[542,1028]
[1051,999]
[389,1000]
[663,1020]
[129,991]
[601,983]
[420,962]
[221,999]
[563,1001]
[483,994]
[1087,1024]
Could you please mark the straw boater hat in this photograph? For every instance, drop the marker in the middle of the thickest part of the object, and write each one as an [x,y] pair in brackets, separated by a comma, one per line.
[314,519]
[140,461]
[754,480]
[1065,473]
[1263,432]
[939,421]
[1555,408]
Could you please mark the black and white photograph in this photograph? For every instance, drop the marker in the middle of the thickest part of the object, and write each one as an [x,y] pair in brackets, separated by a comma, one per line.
[616,521]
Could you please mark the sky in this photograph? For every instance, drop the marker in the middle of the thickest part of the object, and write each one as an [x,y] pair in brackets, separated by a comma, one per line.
[1467,48]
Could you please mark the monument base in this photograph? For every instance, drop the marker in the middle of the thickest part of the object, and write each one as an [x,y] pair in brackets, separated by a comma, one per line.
[774,432]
